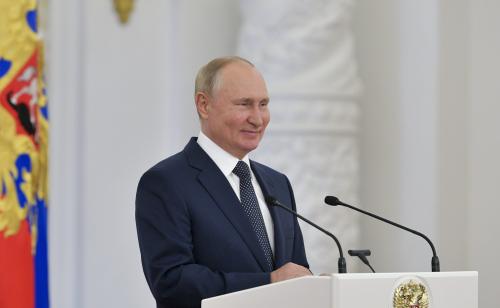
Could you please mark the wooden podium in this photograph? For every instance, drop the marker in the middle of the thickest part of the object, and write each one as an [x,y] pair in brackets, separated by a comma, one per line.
[438,290]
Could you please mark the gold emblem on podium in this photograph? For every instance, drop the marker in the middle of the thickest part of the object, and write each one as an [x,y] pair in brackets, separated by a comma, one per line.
[411,294]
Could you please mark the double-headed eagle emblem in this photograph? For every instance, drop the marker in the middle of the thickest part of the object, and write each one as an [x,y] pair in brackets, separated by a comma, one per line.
[411,294]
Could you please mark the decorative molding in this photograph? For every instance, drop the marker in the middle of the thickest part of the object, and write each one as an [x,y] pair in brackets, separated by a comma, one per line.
[301,46]
[314,116]
[318,163]
[124,8]
[305,51]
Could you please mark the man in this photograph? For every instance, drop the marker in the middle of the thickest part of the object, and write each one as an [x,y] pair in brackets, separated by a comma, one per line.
[204,228]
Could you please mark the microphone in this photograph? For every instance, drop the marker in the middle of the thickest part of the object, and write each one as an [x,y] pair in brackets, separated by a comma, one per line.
[334,201]
[341,262]
[362,254]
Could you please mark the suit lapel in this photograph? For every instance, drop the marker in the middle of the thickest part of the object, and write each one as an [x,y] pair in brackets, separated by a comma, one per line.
[222,193]
[268,189]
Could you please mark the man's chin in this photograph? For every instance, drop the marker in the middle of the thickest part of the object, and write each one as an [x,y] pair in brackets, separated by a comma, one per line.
[249,147]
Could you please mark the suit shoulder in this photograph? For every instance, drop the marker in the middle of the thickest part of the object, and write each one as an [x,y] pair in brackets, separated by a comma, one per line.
[268,171]
[172,166]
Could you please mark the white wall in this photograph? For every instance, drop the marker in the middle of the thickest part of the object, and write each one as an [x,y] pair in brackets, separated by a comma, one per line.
[398,49]
[430,142]
[452,134]
[483,147]
[126,126]
[121,100]
[376,32]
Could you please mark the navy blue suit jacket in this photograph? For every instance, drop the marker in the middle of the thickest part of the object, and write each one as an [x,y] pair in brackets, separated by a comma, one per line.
[195,239]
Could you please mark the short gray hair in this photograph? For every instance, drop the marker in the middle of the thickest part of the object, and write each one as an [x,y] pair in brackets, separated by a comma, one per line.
[207,79]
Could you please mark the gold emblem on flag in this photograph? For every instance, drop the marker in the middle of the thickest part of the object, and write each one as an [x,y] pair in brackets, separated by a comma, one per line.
[23,120]
[411,294]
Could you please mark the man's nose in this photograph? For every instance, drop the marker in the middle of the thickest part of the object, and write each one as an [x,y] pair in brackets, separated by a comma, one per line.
[256,116]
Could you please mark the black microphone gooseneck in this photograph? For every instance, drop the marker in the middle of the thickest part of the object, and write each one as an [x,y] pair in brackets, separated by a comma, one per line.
[334,201]
[341,262]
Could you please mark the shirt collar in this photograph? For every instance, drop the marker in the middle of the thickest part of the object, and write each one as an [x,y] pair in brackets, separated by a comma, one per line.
[225,161]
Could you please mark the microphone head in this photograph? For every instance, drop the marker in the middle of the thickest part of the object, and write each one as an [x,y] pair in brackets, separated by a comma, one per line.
[332,200]
[359,252]
[270,200]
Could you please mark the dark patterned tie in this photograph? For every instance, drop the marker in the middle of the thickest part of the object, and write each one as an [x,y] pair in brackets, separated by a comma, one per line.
[251,206]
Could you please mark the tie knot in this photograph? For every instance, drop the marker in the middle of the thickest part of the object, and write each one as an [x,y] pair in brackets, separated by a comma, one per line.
[242,170]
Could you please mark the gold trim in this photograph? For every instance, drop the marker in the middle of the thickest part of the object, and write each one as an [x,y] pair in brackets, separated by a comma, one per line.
[123,8]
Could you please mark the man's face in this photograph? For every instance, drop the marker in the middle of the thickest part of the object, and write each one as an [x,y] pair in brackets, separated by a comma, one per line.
[236,115]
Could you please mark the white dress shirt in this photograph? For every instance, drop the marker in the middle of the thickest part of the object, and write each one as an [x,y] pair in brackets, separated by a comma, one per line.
[226,163]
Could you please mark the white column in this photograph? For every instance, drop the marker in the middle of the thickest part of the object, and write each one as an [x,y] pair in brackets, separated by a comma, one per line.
[483,148]
[305,51]
[64,84]
[418,130]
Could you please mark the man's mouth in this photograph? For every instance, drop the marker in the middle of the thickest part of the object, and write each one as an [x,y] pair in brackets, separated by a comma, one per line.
[251,131]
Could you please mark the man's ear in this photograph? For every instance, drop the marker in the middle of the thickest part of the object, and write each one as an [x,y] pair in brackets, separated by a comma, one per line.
[202,100]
